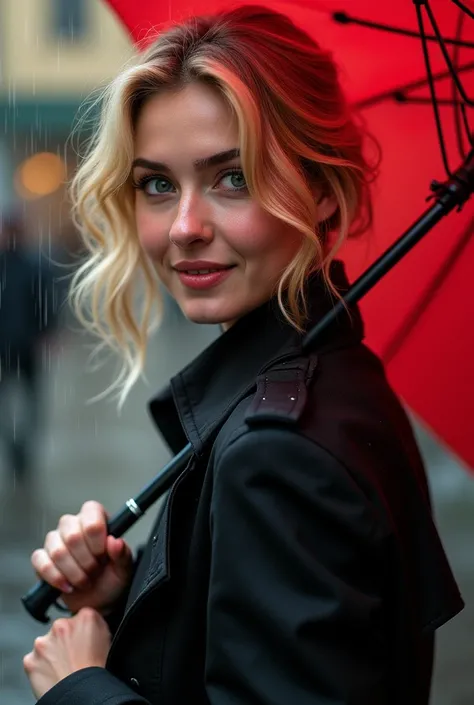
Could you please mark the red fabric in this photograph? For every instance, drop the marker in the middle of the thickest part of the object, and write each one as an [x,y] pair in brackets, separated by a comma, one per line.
[433,368]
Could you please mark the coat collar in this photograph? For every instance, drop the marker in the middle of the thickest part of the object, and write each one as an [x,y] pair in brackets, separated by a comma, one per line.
[199,398]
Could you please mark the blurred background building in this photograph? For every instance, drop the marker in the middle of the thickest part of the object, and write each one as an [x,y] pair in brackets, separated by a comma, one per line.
[53,55]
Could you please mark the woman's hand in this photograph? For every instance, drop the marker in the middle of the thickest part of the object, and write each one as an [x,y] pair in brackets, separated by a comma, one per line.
[90,568]
[71,644]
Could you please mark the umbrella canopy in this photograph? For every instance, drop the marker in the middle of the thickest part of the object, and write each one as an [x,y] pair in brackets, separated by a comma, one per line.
[420,317]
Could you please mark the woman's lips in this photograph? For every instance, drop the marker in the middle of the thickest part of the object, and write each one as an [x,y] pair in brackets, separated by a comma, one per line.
[204,281]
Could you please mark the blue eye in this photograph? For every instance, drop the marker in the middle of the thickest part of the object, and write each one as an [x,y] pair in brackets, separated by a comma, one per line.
[237,180]
[155,186]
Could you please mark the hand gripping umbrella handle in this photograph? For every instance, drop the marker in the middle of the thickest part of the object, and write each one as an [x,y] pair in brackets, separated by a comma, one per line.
[42,596]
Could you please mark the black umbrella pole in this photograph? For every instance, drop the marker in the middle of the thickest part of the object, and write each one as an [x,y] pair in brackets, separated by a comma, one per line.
[42,595]
[448,196]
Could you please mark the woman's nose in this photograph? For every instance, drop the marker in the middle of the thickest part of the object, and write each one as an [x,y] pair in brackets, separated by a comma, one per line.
[191,222]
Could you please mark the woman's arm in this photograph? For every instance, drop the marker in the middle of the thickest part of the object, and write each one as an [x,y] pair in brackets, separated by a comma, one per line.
[295,611]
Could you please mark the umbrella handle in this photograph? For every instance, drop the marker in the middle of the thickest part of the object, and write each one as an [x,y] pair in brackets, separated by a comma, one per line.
[42,596]
[454,192]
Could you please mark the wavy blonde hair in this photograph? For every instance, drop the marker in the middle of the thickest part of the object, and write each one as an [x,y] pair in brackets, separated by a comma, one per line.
[296,131]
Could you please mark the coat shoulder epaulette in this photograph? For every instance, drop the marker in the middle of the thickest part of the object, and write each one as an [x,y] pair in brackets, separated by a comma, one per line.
[282,392]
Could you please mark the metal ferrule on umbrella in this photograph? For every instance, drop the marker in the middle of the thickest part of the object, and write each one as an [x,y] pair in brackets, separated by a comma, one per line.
[445,196]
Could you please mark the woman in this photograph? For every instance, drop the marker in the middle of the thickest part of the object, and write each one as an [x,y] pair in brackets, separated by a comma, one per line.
[295,561]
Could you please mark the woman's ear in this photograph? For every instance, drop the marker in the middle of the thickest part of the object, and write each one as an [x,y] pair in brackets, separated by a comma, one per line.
[327,206]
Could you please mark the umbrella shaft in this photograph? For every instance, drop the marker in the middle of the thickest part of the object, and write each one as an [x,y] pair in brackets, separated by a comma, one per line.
[380,267]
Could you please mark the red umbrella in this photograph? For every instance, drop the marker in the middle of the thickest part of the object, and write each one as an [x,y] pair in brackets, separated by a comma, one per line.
[420,316]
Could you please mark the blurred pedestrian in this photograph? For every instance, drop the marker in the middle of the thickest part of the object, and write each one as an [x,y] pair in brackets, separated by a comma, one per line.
[28,315]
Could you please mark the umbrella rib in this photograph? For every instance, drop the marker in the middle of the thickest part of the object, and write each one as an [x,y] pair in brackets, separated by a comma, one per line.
[431,83]
[400,97]
[344,18]
[463,7]
[441,44]
[413,85]
[459,112]
[467,128]
[403,332]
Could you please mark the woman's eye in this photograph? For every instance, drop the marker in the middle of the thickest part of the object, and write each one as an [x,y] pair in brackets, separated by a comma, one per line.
[156,186]
[235,181]
[153,185]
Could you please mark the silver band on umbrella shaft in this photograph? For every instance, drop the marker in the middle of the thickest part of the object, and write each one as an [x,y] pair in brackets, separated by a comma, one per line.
[133,507]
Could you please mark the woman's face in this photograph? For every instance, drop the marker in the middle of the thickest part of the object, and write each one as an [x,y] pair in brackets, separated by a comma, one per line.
[214,247]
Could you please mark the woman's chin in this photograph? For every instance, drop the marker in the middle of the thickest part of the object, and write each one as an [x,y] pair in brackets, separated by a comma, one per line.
[207,316]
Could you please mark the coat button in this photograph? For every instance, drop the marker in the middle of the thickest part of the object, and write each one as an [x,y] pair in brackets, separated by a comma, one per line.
[134,683]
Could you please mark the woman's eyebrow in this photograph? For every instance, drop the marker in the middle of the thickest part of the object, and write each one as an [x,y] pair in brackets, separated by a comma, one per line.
[199,164]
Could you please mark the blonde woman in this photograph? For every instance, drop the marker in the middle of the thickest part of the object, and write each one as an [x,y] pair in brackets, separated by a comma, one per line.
[295,561]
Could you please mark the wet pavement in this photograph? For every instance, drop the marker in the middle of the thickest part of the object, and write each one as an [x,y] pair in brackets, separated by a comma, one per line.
[89,451]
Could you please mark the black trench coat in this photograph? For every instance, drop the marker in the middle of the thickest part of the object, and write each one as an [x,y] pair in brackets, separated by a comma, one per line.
[295,561]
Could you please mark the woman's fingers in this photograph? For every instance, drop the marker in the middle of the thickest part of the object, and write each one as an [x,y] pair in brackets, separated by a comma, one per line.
[46,570]
[74,553]
[72,537]
[93,521]
[56,556]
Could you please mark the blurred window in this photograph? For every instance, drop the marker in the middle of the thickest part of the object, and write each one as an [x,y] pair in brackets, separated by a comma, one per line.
[70,19]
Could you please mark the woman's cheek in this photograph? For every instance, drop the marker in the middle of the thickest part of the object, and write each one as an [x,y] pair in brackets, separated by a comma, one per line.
[150,234]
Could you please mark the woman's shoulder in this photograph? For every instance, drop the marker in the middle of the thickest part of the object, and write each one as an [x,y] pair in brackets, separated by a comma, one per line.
[347,461]
[342,404]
